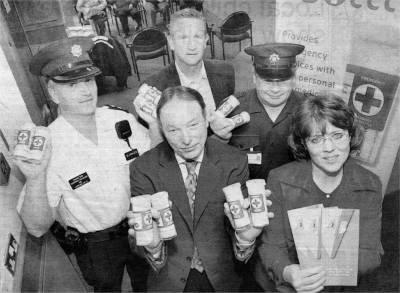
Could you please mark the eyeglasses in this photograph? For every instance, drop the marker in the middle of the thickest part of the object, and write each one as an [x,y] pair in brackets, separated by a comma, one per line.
[336,138]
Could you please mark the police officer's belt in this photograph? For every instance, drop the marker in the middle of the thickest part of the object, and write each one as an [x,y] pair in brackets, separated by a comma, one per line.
[120,230]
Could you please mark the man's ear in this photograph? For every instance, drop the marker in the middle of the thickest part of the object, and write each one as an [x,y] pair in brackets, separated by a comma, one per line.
[254,75]
[170,42]
[207,38]
[52,92]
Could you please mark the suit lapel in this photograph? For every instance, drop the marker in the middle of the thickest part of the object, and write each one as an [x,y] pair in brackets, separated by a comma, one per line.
[171,176]
[209,177]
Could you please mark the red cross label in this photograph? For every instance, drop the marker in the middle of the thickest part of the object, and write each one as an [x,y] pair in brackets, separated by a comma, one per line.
[165,218]
[236,209]
[143,221]
[23,137]
[257,203]
[38,143]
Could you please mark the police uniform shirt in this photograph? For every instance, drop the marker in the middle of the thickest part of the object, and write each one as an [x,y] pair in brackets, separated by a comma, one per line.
[90,183]
[262,135]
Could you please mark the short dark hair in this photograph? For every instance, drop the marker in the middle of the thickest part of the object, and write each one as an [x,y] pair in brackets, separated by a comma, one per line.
[180,93]
[185,14]
[323,109]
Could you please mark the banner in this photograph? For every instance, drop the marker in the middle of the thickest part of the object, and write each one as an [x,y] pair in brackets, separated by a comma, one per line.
[352,50]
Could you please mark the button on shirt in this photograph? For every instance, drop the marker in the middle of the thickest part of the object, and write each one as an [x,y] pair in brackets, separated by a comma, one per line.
[103,199]
[200,84]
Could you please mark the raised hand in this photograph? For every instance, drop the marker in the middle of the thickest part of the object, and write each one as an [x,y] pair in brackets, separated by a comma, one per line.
[156,234]
[222,127]
[306,280]
[146,102]
[250,233]
[28,168]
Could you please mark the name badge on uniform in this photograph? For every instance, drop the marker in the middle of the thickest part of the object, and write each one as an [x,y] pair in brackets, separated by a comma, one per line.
[254,158]
[131,154]
[79,180]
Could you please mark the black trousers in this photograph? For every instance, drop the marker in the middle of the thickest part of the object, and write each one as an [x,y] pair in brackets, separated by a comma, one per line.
[123,17]
[198,282]
[103,264]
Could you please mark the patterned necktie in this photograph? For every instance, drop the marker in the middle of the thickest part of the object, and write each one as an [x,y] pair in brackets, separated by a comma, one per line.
[191,183]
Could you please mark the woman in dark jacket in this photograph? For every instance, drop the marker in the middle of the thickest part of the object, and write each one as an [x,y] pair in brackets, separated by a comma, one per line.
[323,135]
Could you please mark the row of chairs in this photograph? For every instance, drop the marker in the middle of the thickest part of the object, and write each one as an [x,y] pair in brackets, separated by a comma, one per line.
[150,43]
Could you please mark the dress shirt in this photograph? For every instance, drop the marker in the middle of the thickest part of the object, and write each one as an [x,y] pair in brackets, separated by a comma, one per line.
[200,84]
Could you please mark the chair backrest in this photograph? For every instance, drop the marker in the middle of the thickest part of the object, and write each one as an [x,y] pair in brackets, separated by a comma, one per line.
[148,39]
[236,23]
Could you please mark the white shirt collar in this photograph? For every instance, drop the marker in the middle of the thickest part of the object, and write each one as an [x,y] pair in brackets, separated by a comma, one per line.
[198,159]
[185,81]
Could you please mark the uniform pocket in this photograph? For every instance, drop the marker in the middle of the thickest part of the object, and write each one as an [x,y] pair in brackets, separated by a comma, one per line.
[245,142]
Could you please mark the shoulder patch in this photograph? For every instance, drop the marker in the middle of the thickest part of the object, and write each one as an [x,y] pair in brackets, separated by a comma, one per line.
[112,107]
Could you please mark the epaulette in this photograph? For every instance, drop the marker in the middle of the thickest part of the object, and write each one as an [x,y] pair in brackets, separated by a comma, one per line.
[112,107]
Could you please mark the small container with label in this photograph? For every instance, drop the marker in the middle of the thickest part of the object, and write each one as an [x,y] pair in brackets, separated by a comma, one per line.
[166,227]
[258,202]
[150,93]
[149,108]
[24,141]
[38,146]
[141,207]
[227,106]
[241,119]
[234,197]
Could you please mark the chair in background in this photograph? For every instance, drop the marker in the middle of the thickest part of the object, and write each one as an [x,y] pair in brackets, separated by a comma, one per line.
[235,28]
[84,21]
[114,15]
[210,41]
[141,8]
[147,43]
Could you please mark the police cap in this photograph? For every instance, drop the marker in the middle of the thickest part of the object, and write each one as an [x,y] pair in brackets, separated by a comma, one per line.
[275,61]
[65,61]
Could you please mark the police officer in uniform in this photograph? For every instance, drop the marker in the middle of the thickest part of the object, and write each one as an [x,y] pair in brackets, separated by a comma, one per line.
[83,179]
[270,105]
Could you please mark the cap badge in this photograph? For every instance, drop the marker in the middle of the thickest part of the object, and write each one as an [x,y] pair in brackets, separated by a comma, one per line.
[274,57]
[76,50]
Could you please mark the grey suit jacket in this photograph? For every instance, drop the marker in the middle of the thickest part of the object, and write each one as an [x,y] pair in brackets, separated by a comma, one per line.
[220,74]
[157,170]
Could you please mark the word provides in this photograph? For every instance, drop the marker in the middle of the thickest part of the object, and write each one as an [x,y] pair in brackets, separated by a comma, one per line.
[304,38]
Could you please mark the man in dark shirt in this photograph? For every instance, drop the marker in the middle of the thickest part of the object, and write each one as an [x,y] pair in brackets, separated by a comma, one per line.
[270,105]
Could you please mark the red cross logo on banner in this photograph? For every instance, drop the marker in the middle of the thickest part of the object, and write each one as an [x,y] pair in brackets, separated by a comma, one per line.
[371,96]
[368,99]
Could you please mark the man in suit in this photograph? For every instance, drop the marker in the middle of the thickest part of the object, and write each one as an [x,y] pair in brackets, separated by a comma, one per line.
[201,258]
[213,79]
